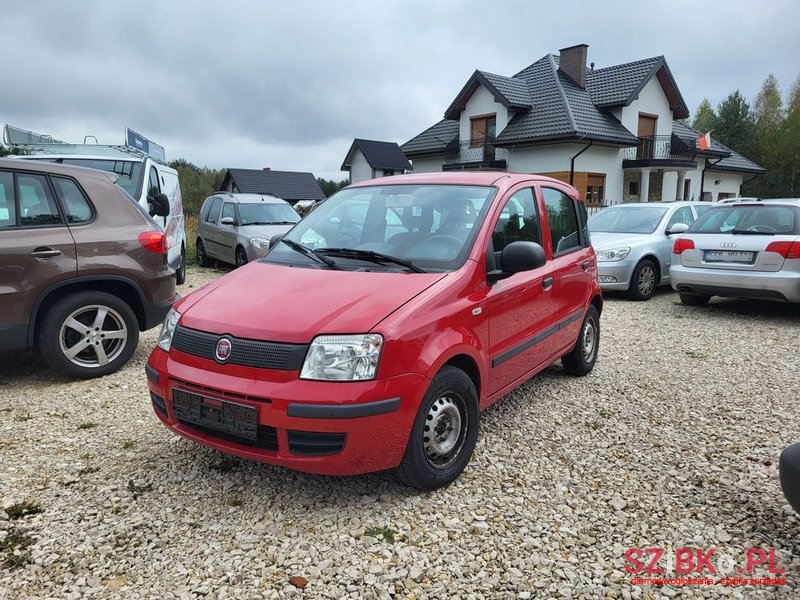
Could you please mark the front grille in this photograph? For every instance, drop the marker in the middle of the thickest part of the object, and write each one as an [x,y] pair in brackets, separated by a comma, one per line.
[159,403]
[311,443]
[200,389]
[244,352]
[267,437]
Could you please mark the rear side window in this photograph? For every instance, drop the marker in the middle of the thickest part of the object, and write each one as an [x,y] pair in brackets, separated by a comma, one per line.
[213,213]
[73,201]
[748,219]
[8,209]
[562,220]
[36,203]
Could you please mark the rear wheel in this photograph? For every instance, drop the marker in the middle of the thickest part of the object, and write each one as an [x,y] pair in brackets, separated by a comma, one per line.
[580,361]
[241,257]
[694,299]
[444,433]
[180,274]
[202,257]
[88,334]
[643,280]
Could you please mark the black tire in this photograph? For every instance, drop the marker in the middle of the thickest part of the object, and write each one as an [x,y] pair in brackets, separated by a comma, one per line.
[451,392]
[202,257]
[97,353]
[694,299]
[644,280]
[241,257]
[180,274]
[581,360]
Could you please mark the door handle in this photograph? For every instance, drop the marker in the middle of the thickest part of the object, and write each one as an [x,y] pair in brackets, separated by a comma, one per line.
[45,252]
[586,264]
[547,283]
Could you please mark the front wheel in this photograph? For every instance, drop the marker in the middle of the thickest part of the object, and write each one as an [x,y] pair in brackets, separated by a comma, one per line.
[88,334]
[643,281]
[444,433]
[241,257]
[202,257]
[580,361]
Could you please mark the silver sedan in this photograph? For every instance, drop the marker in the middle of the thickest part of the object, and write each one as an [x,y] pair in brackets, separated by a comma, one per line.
[634,243]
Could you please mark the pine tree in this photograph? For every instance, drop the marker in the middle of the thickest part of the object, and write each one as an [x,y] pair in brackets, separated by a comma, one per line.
[705,119]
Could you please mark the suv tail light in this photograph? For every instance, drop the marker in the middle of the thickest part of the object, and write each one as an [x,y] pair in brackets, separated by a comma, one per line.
[681,245]
[785,249]
[154,241]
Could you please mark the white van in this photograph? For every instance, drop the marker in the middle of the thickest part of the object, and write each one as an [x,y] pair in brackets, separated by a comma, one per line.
[143,174]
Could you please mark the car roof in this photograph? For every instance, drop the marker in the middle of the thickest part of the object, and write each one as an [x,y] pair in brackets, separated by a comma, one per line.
[241,198]
[52,167]
[662,204]
[457,178]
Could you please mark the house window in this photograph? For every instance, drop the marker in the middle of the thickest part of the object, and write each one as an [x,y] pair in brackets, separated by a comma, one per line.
[482,128]
[388,173]
[595,188]
[633,188]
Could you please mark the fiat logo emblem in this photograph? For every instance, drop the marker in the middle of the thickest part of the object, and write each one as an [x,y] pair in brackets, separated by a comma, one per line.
[224,348]
[727,245]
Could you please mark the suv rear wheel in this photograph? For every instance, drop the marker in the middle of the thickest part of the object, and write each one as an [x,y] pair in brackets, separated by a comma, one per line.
[88,334]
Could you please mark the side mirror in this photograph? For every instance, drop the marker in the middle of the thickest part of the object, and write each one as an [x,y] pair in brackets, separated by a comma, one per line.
[275,239]
[227,221]
[159,205]
[517,257]
[677,228]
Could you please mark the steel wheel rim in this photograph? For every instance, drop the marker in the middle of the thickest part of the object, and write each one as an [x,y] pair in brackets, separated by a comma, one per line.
[445,430]
[647,280]
[93,336]
[589,340]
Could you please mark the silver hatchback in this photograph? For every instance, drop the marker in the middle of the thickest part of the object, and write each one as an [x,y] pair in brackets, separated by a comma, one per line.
[236,228]
[634,241]
[740,250]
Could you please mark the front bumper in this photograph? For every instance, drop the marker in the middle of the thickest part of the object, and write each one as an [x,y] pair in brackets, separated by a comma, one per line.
[361,427]
[780,285]
[615,276]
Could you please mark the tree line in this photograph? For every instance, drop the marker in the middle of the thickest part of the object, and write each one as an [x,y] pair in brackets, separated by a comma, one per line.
[766,131]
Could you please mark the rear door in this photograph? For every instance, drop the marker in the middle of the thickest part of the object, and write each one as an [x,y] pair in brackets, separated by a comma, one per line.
[36,250]
[574,265]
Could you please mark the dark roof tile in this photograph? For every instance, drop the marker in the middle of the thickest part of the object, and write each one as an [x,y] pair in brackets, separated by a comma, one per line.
[379,155]
[289,185]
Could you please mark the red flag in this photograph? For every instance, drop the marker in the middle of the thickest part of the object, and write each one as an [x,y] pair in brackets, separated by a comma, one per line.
[704,141]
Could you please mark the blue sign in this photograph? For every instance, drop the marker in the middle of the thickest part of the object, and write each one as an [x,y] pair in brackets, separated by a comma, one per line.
[141,143]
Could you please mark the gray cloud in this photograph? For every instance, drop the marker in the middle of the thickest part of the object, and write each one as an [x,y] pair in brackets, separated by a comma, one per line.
[289,85]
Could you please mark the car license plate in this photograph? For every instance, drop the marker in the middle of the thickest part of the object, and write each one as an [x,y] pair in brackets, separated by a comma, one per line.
[220,415]
[729,256]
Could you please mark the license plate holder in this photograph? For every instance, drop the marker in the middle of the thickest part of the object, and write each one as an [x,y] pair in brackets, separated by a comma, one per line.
[236,419]
[730,256]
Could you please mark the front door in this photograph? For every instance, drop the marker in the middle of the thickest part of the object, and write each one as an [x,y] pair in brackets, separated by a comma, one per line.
[521,306]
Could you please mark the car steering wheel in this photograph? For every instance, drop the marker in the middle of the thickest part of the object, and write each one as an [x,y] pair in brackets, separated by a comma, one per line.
[762,228]
[445,237]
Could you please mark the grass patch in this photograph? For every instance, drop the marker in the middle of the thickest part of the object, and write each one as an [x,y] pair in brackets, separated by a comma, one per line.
[86,426]
[138,489]
[15,541]
[593,425]
[128,444]
[234,500]
[190,223]
[22,417]
[385,533]
[23,509]
[604,413]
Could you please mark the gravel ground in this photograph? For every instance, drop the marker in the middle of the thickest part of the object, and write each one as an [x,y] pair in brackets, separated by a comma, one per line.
[672,441]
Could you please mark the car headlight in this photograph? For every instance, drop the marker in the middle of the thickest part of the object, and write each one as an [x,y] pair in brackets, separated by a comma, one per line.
[260,243]
[168,329]
[343,357]
[613,254]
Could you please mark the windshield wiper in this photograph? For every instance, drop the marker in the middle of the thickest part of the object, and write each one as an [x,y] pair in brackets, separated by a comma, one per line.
[373,256]
[748,232]
[311,254]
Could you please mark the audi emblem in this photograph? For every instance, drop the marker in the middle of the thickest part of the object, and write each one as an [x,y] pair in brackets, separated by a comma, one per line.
[728,245]
[223,351]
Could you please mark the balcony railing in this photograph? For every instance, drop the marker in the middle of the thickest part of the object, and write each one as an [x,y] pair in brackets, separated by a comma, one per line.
[660,147]
[468,152]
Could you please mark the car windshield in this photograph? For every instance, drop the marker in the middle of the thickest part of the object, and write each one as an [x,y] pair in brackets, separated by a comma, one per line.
[129,171]
[627,219]
[267,214]
[760,218]
[430,226]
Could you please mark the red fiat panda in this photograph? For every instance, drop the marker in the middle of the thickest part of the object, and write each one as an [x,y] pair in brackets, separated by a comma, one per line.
[374,332]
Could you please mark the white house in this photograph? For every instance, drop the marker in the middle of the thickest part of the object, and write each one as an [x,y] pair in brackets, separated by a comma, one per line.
[368,159]
[615,133]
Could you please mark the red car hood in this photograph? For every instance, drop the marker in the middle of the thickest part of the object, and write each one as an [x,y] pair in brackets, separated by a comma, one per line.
[288,304]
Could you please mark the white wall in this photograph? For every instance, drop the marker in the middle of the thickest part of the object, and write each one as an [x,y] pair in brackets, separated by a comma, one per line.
[481,103]
[556,157]
[360,170]
[651,100]
[729,183]
[427,164]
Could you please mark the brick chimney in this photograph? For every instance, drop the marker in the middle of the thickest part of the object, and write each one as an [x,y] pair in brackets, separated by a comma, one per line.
[266,169]
[572,62]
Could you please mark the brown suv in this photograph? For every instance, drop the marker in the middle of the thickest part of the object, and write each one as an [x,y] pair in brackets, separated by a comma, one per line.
[83,268]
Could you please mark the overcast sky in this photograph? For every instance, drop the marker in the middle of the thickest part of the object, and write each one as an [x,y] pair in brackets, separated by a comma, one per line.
[289,85]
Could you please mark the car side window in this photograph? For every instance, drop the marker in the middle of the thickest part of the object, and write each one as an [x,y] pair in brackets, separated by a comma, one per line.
[213,212]
[8,208]
[682,215]
[562,221]
[36,203]
[153,187]
[73,202]
[518,221]
[229,210]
